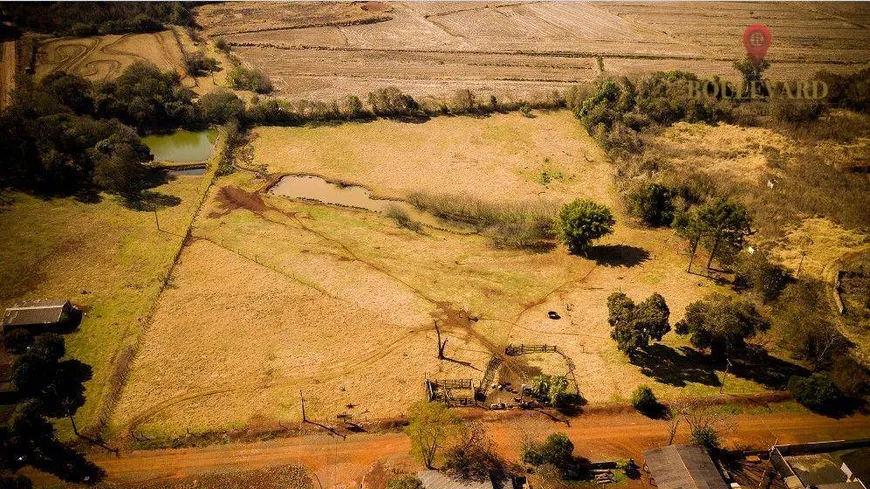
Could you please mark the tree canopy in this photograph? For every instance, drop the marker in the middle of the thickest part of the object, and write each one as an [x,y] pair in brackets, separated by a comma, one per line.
[634,325]
[582,221]
[722,324]
[431,427]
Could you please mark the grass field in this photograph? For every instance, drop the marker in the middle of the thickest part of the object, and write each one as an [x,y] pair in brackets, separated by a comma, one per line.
[275,296]
[108,259]
[517,50]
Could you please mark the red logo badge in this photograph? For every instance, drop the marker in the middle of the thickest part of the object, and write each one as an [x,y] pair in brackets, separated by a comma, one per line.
[757,40]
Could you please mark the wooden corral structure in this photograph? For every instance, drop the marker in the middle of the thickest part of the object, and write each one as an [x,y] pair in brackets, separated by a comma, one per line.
[522,349]
[454,392]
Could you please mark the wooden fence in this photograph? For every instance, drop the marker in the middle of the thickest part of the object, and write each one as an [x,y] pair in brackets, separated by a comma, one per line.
[514,350]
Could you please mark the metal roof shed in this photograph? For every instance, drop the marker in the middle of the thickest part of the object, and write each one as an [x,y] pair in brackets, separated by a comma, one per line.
[41,312]
[683,467]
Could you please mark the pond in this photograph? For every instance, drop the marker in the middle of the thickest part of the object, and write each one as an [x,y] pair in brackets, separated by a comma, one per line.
[315,188]
[182,146]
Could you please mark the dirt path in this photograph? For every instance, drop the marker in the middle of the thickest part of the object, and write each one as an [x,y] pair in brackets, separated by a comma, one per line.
[336,461]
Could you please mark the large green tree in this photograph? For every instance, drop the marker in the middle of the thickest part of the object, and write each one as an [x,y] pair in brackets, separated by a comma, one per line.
[431,427]
[634,325]
[721,324]
[582,221]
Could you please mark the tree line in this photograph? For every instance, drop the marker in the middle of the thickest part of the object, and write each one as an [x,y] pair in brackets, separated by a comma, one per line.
[92,18]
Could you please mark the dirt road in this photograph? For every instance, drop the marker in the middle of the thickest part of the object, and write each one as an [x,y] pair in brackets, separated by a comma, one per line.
[340,462]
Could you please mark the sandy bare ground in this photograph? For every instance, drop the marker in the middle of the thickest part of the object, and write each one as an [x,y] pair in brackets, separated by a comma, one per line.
[518,49]
[336,461]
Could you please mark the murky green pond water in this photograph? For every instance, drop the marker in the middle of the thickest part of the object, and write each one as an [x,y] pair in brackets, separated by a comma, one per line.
[182,146]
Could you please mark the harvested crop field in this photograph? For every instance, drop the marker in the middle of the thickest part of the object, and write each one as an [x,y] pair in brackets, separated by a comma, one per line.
[274,295]
[105,57]
[518,50]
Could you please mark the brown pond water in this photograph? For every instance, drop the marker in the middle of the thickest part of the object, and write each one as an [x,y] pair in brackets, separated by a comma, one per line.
[310,187]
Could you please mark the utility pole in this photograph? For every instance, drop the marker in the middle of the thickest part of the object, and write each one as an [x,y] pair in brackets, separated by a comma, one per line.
[302,399]
[727,366]
[157,220]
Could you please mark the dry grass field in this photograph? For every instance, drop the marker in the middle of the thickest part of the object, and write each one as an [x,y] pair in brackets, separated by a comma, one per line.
[274,296]
[515,50]
[108,259]
[105,57]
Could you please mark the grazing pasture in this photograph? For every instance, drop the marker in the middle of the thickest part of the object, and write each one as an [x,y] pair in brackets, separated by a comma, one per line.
[274,295]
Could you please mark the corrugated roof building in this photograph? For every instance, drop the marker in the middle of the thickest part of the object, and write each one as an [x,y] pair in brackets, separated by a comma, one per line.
[683,467]
[856,466]
[36,313]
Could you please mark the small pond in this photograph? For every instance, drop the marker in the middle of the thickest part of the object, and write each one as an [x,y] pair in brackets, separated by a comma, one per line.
[315,188]
[182,146]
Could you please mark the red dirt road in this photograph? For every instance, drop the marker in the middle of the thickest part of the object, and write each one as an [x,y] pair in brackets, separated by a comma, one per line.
[343,462]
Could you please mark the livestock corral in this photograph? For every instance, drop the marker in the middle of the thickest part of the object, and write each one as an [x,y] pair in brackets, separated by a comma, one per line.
[519,49]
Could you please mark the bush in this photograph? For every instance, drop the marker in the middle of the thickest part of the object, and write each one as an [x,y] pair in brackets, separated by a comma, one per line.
[391,102]
[652,203]
[817,392]
[644,400]
[765,278]
[706,436]
[850,377]
[798,110]
[556,450]
[244,78]
[405,481]
[221,44]
[17,340]
[510,225]
[220,106]
[582,221]
[403,219]
[198,64]
[474,459]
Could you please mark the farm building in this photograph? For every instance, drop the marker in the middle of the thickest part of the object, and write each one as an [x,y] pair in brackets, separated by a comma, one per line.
[683,467]
[856,466]
[37,314]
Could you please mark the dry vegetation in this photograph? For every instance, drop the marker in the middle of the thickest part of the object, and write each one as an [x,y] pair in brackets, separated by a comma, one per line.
[274,296]
[105,57]
[325,51]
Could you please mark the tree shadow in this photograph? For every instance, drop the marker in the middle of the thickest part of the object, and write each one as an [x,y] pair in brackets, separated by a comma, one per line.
[676,367]
[618,255]
[760,367]
[149,201]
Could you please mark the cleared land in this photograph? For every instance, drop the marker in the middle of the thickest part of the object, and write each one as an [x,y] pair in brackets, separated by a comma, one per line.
[274,296]
[517,50]
[105,57]
[107,258]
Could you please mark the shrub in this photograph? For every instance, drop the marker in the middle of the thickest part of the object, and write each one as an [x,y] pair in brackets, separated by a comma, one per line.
[353,107]
[722,324]
[220,106]
[850,377]
[798,110]
[556,450]
[463,102]
[817,392]
[644,400]
[706,436]
[17,340]
[405,481]
[756,271]
[391,102]
[473,459]
[198,64]
[582,221]
[652,203]
[801,316]
[403,219]
[244,78]
[221,44]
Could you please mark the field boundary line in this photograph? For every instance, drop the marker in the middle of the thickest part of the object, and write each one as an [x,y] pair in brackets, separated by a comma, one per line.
[122,369]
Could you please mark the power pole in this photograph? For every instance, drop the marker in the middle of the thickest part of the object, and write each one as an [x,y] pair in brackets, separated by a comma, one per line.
[157,220]
[441,345]
[302,399]
[727,366]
